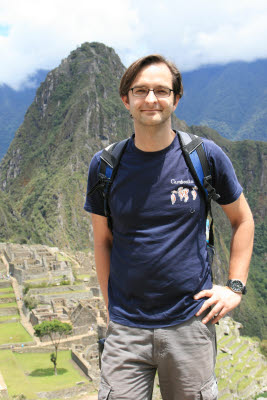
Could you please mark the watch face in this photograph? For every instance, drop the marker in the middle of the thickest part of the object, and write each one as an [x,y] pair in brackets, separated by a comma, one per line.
[237,286]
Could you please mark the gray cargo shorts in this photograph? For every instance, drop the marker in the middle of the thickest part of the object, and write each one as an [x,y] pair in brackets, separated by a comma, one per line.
[184,356]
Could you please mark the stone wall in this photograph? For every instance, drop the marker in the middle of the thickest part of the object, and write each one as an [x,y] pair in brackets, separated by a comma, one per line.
[5,284]
[46,299]
[37,318]
[8,311]
[82,364]
[2,266]
[6,300]
[34,350]
[55,289]
[23,275]
[13,345]
[70,393]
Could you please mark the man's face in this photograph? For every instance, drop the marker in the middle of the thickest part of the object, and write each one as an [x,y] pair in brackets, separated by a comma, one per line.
[151,110]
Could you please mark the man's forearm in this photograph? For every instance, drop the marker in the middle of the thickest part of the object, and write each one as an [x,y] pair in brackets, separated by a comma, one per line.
[102,245]
[222,298]
[102,260]
[241,250]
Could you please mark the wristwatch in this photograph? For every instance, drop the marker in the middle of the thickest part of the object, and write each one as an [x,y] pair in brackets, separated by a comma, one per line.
[236,286]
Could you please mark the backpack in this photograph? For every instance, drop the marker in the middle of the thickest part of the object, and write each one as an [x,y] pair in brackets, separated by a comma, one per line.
[195,157]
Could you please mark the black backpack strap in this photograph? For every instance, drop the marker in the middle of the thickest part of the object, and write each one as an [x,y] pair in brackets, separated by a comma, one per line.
[109,163]
[196,160]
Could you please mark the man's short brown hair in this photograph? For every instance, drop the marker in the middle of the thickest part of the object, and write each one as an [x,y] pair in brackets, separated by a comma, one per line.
[131,73]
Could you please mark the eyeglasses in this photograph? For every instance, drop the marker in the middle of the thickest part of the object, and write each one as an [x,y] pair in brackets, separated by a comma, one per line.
[142,92]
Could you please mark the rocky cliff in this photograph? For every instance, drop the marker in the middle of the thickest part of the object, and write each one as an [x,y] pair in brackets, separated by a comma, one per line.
[75,112]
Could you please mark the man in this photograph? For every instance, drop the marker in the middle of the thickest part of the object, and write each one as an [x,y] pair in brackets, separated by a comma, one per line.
[153,267]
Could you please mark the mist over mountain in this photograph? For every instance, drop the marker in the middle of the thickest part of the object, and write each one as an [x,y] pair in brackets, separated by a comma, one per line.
[13,105]
[231,99]
[76,112]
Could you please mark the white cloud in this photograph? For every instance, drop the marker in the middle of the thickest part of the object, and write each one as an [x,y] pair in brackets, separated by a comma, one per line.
[196,32]
[192,33]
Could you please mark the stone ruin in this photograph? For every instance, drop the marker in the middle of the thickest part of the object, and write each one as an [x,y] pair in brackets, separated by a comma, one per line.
[36,262]
[79,304]
[84,315]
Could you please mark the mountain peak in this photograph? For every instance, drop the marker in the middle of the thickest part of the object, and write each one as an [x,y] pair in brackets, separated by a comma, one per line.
[78,103]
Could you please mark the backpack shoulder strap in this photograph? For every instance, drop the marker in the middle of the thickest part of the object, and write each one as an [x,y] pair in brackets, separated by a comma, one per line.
[109,163]
[110,158]
[196,159]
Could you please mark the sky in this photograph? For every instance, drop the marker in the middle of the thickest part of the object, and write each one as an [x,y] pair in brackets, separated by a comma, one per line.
[38,34]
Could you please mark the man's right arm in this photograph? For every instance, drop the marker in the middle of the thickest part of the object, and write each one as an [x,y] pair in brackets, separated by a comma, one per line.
[102,246]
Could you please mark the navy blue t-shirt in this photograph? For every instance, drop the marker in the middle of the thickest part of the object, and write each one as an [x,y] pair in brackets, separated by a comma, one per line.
[159,255]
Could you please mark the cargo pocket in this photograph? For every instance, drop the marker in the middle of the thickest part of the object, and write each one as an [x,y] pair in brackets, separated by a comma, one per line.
[209,391]
[104,391]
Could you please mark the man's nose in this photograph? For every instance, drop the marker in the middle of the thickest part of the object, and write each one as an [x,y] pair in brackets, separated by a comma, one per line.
[151,96]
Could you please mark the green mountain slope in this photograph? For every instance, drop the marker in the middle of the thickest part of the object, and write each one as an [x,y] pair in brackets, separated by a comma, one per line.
[76,112]
[249,159]
[231,99]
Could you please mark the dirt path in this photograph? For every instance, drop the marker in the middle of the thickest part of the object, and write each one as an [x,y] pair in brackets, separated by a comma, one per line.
[23,319]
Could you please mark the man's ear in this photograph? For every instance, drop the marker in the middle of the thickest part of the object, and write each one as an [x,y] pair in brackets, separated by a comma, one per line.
[175,104]
[125,100]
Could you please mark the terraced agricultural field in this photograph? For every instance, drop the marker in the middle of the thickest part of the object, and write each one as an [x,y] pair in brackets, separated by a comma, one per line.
[241,369]
[30,373]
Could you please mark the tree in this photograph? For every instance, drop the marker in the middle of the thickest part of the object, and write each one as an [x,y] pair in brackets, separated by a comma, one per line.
[56,330]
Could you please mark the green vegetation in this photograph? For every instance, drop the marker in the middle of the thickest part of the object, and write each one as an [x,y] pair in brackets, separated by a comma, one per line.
[264,395]
[30,302]
[31,373]
[13,333]
[216,96]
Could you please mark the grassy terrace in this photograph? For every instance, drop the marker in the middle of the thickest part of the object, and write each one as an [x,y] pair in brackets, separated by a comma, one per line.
[13,333]
[9,317]
[31,373]
[83,276]
[8,305]
[7,295]
[6,290]
[239,368]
